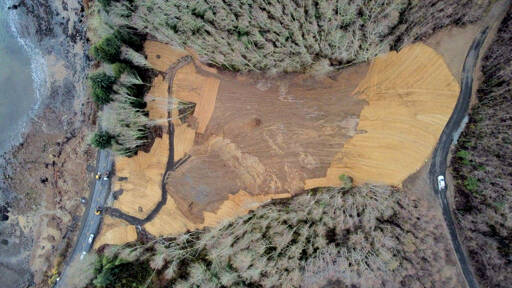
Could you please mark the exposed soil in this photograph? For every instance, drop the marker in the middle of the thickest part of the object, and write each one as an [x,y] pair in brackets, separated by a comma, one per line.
[115,231]
[140,188]
[246,148]
[190,86]
[141,192]
[266,137]
[411,95]
[285,148]
[250,147]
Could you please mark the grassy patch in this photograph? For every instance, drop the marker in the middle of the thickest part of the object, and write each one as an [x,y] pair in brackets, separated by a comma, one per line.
[463,155]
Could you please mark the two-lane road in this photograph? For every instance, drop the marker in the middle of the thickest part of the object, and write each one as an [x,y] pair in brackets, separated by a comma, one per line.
[439,158]
[90,221]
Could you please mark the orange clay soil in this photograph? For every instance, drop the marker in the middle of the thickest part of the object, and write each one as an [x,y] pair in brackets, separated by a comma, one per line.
[156,100]
[190,86]
[115,231]
[161,55]
[184,137]
[170,221]
[411,96]
[140,191]
[264,137]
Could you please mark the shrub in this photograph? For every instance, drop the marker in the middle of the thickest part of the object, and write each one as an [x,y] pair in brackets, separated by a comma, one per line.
[102,86]
[107,50]
[127,37]
[119,68]
[105,3]
[471,184]
[346,181]
[101,97]
[464,156]
[102,140]
[102,81]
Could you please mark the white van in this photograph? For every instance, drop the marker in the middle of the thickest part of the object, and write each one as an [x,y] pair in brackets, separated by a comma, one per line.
[440,182]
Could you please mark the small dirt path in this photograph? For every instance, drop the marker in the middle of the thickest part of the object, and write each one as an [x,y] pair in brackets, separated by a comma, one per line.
[171,164]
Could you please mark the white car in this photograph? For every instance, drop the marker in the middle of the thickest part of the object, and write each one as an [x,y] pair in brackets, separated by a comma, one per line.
[83,255]
[91,237]
[440,182]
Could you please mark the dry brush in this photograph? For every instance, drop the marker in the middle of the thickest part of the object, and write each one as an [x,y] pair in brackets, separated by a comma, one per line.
[369,236]
[290,35]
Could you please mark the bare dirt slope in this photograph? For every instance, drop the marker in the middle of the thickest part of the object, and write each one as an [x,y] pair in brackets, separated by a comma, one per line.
[410,96]
[191,86]
[115,231]
[249,141]
[171,221]
[265,137]
[141,191]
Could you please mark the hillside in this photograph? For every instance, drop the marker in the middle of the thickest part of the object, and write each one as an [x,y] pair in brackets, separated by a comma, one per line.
[249,101]
[368,236]
[292,35]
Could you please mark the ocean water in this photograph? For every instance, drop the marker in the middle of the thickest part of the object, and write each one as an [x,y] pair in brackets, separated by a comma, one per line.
[22,78]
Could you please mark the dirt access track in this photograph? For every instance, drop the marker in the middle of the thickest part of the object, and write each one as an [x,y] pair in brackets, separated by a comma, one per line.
[250,140]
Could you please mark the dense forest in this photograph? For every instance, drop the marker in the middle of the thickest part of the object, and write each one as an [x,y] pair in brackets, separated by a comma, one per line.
[291,35]
[368,236]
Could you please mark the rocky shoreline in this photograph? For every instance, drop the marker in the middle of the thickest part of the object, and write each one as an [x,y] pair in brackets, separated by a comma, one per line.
[44,176]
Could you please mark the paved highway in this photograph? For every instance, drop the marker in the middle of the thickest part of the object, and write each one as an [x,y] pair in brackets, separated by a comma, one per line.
[439,158]
[91,221]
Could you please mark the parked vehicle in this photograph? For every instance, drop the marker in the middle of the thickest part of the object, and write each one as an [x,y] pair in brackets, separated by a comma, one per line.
[91,237]
[83,255]
[441,185]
